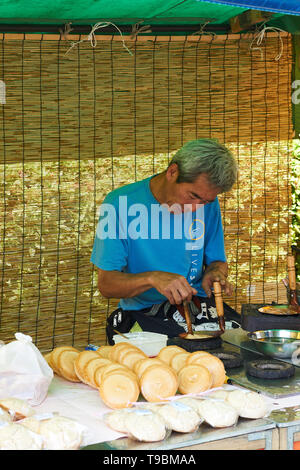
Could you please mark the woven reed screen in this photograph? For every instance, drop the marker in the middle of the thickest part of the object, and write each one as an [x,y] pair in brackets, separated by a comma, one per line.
[77,125]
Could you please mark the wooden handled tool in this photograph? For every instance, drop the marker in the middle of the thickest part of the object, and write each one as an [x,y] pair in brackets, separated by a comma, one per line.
[219,304]
[188,317]
[185,311]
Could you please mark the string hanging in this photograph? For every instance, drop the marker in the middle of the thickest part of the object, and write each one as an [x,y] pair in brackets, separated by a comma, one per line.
[259,37]
[201,31]
[92,37]
[65,33]
[137,29]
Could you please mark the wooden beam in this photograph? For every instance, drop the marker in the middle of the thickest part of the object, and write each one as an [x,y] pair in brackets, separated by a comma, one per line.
[248,18]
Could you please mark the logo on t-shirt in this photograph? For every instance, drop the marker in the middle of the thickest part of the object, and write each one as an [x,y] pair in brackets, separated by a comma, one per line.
[196,231]
[195,245]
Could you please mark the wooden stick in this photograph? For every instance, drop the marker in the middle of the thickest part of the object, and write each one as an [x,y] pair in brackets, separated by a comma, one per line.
[121,334]
[219,304]
[188,318]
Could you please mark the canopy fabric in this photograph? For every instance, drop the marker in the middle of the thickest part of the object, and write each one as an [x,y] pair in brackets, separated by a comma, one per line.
[151,12]
[123,11]
[286,7]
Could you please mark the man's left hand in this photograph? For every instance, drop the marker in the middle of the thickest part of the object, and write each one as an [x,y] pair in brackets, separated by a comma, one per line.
[216,271]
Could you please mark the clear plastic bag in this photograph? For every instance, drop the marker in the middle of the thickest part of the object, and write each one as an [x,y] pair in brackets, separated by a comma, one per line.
[139,424]
[24,373]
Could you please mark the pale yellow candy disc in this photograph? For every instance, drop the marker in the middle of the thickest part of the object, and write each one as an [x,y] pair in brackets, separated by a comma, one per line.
[158,382]
[119,390]
[166,354]
[194,378]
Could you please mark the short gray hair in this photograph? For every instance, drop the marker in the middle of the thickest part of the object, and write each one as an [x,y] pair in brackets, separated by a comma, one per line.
[206,156]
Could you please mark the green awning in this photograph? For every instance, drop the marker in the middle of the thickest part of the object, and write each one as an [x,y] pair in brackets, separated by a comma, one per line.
[129,12]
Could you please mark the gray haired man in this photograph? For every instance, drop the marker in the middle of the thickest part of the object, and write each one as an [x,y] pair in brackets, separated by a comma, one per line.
[160,241]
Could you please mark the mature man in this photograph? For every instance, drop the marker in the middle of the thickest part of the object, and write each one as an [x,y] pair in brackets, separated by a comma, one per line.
[160,241]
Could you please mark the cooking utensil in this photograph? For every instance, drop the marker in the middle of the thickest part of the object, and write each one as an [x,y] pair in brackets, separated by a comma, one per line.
[295,251]
[219,305]
[187,318]
[292,283]
[293,308]
[276,343]
[203,334]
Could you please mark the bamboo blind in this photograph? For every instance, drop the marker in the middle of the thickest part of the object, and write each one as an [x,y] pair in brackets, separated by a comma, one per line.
[79,124]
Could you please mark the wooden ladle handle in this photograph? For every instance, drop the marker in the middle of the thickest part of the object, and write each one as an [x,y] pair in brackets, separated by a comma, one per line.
[219,304]
[188,317]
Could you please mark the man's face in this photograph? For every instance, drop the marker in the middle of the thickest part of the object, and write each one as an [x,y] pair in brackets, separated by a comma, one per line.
[201,191]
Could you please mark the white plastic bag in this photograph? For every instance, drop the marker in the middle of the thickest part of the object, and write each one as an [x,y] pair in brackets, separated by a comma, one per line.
[24,373]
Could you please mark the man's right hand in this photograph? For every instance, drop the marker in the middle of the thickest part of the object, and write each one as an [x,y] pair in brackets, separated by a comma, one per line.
[119,285]
[173,286]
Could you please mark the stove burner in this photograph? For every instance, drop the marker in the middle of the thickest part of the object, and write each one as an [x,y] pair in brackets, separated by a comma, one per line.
[191,345]
[268,369]
[230,359]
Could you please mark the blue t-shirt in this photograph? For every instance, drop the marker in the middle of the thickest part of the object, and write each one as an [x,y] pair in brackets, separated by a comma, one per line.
[136,234]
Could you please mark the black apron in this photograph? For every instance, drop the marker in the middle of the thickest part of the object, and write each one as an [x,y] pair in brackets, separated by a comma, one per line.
[164,318]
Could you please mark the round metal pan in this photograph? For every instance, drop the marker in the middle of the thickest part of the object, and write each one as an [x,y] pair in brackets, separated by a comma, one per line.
[276,343]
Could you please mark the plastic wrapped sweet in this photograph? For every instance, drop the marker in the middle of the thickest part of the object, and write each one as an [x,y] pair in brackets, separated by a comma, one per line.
[58,432]
[145,425]
[220,394]
[16,407]
[116,419]
[189,401]
[16,437]
[248,404]
[179,416]
[5,417]
[217,413]
[142,424]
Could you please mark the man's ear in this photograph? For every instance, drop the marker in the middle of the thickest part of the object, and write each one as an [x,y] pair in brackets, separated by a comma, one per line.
[172,173]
